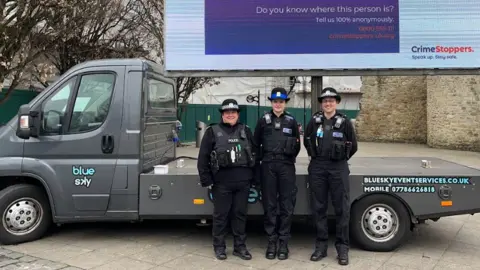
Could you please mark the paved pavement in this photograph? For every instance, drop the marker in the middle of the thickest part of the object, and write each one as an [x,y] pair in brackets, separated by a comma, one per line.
[450,243]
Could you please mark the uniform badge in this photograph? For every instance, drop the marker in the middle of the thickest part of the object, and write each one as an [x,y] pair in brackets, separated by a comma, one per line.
[337,134]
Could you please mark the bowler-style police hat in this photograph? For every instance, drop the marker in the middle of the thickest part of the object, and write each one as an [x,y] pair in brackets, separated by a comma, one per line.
[329,92]
[229,105]
[279,93]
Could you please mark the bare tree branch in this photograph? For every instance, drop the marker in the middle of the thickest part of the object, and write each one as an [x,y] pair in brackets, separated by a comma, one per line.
[97,30]
[23,26]
[45,36]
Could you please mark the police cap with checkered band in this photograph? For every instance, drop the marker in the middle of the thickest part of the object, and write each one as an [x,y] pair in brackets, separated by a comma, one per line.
[329,92]
[229,105]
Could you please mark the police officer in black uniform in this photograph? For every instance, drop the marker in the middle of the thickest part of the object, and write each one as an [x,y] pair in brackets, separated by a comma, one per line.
[330,141]
[278,140]
[226,165]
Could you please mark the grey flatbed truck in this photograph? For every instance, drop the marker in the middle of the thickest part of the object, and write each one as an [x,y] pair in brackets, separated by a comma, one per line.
[84,150]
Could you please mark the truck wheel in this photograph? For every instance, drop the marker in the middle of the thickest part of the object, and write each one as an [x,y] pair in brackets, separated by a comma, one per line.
[26,214]
[379,223]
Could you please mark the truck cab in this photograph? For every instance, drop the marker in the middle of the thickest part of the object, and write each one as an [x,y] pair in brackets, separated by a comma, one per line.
[75,152]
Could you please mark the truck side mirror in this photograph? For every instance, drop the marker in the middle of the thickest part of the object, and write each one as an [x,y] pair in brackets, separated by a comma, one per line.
[27,123]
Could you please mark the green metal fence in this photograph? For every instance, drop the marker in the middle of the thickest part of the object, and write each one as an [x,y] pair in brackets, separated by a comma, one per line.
[209,114]
[10,108]
[190,113]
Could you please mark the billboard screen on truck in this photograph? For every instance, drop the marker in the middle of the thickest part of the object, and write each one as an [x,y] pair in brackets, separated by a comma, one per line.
[220,35]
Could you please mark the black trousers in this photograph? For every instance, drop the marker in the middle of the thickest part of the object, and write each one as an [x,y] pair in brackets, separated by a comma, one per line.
[230,202]
[279,193]
[330,178]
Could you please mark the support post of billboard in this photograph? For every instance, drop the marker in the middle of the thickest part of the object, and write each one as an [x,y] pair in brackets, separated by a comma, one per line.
[316,86]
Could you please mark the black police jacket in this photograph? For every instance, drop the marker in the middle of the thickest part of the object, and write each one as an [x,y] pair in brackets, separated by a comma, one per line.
[330,139]
[216,162]
[277,138]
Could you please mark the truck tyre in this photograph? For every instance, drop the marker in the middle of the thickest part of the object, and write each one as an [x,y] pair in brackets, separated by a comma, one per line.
[379,223]
[26,214]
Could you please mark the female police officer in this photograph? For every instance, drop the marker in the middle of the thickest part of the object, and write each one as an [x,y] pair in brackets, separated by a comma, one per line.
[226,165]
[278,138]
[330,141]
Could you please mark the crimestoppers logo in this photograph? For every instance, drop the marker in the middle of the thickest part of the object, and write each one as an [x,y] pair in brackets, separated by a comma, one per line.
[439,52]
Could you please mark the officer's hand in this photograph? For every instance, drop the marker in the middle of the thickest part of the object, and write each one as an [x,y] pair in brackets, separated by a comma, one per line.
[210,187]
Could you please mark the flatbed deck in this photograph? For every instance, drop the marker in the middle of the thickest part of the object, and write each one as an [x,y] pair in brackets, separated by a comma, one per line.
[376,159]
[390,169]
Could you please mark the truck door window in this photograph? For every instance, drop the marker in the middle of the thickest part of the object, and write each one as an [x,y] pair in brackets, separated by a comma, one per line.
[161,95]
[92,102]
[54,109]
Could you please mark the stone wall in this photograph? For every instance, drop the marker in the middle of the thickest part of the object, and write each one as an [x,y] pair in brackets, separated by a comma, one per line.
[442,111]
[453,112]
[393,109]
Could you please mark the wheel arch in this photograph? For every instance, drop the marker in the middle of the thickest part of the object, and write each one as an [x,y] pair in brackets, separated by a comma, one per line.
[32,179]
[413,219]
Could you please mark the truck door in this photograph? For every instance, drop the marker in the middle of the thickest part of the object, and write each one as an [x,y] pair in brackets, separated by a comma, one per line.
[77,149]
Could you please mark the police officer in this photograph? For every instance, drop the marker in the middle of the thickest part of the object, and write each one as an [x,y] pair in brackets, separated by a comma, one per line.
[330,141]
[226,165]
[278,139]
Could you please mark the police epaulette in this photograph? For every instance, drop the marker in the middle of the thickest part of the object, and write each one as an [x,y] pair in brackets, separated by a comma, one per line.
[341,115]
[211,125]
[339,120]
[268,118]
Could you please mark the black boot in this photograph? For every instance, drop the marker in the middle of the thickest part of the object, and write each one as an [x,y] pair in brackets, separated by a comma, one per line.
[318,254]
[242,253]
[343,258]
[271,252]
[220,253]
[283,251]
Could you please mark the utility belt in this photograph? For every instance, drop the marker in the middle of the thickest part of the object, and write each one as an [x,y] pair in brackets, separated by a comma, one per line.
[273,156]
[286,153]
[338,150]
[226,159]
